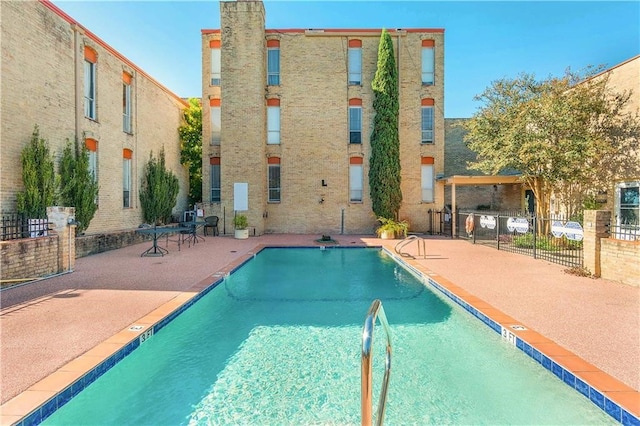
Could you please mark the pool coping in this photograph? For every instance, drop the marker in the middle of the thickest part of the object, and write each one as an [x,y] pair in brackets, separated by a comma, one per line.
[39,401]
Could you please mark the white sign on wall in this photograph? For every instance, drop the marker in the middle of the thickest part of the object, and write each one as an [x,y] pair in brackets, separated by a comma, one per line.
[241,196]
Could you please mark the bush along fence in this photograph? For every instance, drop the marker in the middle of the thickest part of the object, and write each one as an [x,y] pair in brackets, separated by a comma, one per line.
[553,238]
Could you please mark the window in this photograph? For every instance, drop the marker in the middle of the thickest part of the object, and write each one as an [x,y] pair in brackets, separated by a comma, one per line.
[427,179]
[628,203]
[273,121]
[355,120]
[274,179]
[214,164]
[126,102]
[428,62]
[355,179]
[216,121]
[427,121]
[90,60]
[355,62]
[92,150]
[273,62]
[127,154]
[214,45]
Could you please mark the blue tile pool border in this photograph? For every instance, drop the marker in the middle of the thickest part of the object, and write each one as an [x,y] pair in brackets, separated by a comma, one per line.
[597,397]
[613,409]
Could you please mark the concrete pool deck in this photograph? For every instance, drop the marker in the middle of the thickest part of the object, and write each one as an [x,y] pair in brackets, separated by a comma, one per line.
[51,330]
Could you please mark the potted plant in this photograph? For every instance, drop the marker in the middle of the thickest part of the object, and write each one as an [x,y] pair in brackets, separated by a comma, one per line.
[241,224]
[391,228]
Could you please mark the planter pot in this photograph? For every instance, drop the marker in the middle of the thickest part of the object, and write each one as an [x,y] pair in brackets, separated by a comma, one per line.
[241,234]
[388,235]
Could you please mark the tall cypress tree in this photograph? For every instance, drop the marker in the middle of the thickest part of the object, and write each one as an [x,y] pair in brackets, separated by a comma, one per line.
[78,185]
[384,168]
[38,177]
[159,191]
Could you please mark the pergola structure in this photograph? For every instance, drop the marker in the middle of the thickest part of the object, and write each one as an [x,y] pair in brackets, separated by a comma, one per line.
[464,180]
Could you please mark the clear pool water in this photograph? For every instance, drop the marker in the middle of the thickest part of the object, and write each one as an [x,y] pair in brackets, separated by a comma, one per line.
[278,343]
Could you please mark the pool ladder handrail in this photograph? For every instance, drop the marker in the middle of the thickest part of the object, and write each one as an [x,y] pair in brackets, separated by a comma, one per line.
[375,311]
[411,238]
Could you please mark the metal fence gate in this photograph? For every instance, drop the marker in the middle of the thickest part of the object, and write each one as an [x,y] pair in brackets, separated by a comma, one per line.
[554,239]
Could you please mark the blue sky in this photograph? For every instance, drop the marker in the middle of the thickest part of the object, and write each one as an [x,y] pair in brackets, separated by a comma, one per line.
[484,41]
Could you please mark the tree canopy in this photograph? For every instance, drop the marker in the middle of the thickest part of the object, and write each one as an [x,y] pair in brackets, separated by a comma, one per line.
[384,167]
[566,135]
[191,148]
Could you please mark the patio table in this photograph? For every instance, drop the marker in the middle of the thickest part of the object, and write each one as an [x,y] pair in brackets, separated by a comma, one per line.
[155,232]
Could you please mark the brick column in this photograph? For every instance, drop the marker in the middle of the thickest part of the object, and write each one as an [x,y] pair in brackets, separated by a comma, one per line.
[62,221]
[595,228]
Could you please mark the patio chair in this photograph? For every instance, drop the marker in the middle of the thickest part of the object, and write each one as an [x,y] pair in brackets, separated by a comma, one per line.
[189,234]
[212,222]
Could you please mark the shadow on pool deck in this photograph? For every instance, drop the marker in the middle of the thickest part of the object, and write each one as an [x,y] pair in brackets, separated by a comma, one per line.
[47,323]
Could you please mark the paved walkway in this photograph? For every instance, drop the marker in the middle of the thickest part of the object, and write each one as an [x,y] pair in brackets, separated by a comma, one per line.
[46,324]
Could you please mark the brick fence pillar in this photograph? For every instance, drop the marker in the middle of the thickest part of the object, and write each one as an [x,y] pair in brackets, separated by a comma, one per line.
[62,221]
[595,228]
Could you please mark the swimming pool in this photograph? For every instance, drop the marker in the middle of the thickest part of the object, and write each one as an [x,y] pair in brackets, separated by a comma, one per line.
[278,342]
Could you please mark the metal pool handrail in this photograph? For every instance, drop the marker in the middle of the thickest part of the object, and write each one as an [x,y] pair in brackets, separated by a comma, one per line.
[407,241]
[375,311]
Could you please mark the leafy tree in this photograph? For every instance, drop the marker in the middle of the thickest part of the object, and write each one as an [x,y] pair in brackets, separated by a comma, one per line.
[78,185]
[384,169]
[191,148]
[568,134]
[38,177]
[159,191]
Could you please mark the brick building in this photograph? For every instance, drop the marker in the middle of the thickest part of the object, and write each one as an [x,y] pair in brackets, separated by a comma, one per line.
[59,76]
[289,112]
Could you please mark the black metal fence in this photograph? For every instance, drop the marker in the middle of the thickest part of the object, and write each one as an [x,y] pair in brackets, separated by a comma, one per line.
[626,232]
[439,222]
[16,226]
[554,239]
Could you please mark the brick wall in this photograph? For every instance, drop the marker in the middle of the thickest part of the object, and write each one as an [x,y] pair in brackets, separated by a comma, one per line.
[608,257]
[314,144]
[97,243]
[29,258]
[619,261]
[42,57]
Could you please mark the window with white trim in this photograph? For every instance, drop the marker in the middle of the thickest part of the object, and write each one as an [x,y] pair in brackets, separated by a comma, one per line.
[126,179]
[274,180]
[126,106]
[355,124]
[273,66]
[214,169]
[426,180]
[216,121]
[273,124]
[89,89]
[427,121]
[356,179]
[215,62]
[355,62]
[628,203]
[428,62]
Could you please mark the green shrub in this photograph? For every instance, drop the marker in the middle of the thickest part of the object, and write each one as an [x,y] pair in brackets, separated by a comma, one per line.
[159,191]
[38,178]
